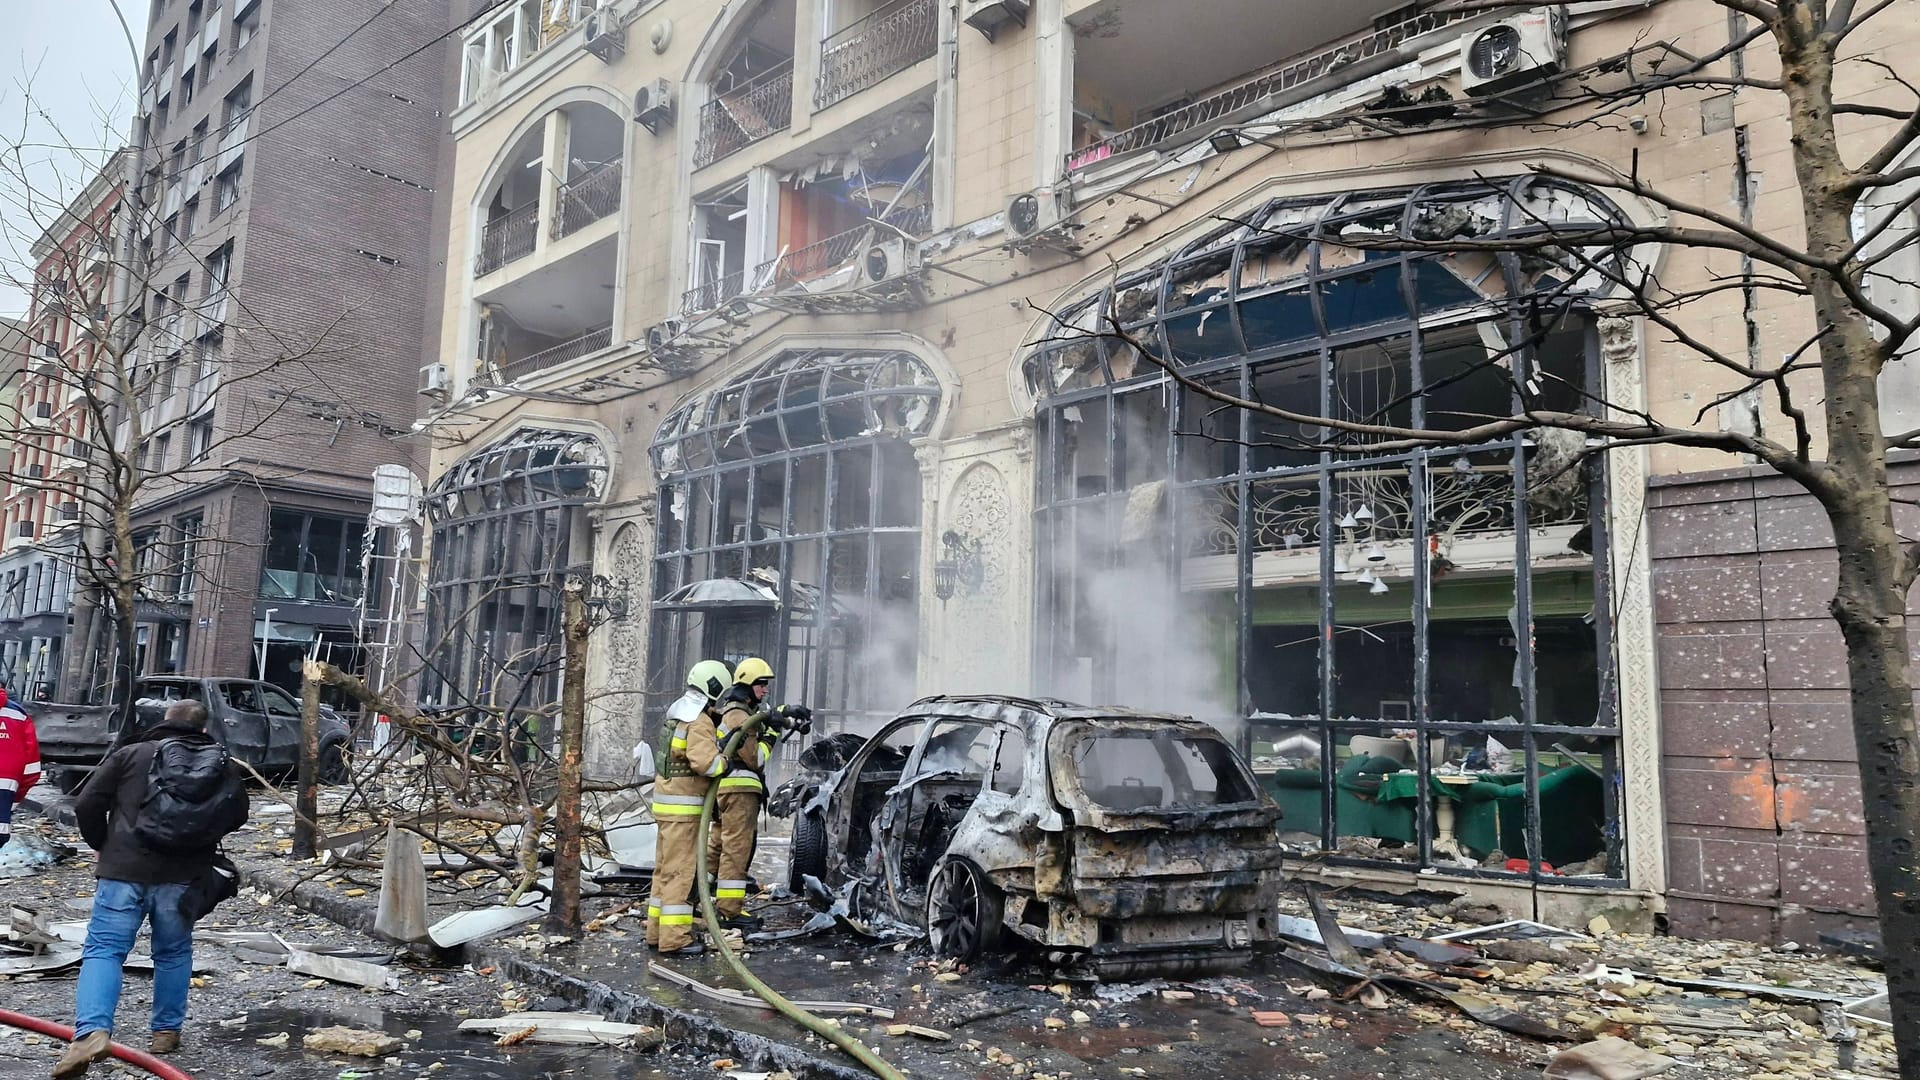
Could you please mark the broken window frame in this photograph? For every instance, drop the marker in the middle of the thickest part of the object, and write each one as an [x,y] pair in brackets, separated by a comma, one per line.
[816,413]
[509,525]
[1314,225]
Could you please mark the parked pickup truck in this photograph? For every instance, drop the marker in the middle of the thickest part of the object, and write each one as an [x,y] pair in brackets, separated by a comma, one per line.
[258,722]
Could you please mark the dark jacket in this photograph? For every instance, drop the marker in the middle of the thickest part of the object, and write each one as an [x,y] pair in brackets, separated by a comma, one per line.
[110,800]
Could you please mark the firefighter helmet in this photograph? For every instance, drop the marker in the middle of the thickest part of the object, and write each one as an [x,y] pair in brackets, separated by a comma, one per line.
[752,670]
[710,678]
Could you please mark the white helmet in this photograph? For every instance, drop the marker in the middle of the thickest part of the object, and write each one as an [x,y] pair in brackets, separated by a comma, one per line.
[710,677]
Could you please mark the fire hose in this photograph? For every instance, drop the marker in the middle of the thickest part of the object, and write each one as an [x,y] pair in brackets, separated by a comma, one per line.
[828,1031]
[64,1033]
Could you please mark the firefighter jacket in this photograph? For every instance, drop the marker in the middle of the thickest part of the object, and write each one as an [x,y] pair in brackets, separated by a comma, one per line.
[690,760]
[19,751]
[750,758]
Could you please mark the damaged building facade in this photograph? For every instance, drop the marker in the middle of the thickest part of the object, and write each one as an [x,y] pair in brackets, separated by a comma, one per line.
[819,330]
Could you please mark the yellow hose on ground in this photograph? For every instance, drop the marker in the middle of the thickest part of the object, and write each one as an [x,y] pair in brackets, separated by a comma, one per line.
[856,1049]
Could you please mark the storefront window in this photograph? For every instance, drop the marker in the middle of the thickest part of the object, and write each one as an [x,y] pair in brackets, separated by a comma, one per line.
[1412,644]
[509,523]
[789,528]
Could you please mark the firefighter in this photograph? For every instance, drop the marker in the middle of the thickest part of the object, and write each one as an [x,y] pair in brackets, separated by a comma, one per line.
[689,761]
[735,835]
[19,761]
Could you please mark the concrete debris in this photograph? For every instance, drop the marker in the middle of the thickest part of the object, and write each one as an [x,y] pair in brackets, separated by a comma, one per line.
[341,970]
[933,1034]
[354,1042]
[1607,1058]
[564,1029]
[275,1042]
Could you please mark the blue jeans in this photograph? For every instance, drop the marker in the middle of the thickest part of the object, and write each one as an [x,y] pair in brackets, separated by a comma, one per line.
[118,908]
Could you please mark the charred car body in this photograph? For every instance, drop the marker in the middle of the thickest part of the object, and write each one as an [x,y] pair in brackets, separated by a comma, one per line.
[1117,843]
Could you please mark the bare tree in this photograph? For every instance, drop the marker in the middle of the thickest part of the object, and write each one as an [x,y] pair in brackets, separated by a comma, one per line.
[1848,154]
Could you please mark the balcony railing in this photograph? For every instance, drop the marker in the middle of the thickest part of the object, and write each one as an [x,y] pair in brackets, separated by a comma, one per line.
[744,115]
[587,199]
[804,264]
[567,351]
[506,238]
[1260,92]
[891,40]
[822,257]
[716,292]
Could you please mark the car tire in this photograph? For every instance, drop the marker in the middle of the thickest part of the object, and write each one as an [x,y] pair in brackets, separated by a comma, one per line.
[964,911]
[808,856]
[332,766]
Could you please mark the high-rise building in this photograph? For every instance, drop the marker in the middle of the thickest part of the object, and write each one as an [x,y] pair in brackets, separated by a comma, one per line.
[288,156]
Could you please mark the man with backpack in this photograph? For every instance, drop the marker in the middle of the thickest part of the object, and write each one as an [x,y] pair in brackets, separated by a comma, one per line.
[155,810]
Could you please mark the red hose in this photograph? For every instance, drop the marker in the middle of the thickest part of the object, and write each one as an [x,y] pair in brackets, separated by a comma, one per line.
[64,1033]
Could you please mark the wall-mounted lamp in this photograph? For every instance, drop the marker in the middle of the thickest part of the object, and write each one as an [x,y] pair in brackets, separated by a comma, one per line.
[607,597]
[960,565]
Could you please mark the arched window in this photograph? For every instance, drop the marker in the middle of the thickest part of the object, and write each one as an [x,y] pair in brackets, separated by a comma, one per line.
[1440,610]
[509,522]
[789,527]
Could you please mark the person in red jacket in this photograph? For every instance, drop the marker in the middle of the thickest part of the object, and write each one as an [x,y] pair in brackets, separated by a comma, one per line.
[19,761]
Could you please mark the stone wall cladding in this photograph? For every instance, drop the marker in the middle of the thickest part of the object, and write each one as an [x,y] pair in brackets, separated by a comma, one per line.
[1766,833]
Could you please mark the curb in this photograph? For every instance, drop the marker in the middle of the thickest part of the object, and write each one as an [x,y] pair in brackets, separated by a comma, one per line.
[683,1030]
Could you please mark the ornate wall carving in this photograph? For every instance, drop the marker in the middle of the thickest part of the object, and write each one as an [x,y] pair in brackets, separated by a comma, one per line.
[1624,364]
[618,720]
[980,509]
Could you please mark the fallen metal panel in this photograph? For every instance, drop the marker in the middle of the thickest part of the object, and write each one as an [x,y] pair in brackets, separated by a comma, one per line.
[736,997]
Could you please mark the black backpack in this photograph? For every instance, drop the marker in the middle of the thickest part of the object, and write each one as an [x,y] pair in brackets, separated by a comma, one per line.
[194,796]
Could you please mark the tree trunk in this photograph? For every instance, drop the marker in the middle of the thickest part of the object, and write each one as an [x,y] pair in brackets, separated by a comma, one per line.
[1870,606]
[564,916]
[307,800]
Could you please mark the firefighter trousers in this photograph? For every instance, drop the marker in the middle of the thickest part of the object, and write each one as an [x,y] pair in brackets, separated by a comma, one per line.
[670,914]
[730,846]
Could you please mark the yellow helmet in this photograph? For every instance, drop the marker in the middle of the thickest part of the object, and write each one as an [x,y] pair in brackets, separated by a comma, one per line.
[752,670]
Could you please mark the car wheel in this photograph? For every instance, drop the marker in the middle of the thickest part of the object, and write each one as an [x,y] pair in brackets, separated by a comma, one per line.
[332,766]
[963,911]
[809,852]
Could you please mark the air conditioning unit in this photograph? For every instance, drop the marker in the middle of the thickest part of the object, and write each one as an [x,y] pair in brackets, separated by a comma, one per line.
[1038,219]
[41,416]
[661,335]
[1519,49]
[889,258]
[606,36]
[434,381]
[653,106]
[988,16]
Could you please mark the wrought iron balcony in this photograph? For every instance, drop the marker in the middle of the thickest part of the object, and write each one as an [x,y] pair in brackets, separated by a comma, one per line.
[891,40]
[714,293]
[1257,93]
[587,199]
[506,238]
[822,257]
[567,351]
[744,115]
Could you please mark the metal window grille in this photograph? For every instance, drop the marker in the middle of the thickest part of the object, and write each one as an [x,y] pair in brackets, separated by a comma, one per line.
[506,238]
[1434,603]
[587,199]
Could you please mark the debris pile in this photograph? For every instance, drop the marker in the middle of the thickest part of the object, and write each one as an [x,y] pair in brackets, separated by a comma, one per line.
[1667,1000]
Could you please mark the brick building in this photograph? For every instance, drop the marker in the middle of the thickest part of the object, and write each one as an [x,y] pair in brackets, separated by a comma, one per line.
[51,427]
[774,317]
[290,154]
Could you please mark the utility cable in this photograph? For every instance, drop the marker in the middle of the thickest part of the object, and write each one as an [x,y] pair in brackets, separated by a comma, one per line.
[839,1037]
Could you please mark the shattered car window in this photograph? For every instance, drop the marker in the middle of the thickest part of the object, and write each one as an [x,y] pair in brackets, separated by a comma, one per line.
[958,746]
[1129,770]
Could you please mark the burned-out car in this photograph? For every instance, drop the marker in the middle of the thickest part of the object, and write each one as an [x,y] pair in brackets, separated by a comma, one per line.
[1116,844]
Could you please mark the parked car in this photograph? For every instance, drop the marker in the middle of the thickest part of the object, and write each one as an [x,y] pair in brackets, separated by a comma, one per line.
[1119,844]
[258,722]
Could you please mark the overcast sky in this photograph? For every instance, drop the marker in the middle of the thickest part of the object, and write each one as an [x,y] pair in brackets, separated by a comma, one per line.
[66,98]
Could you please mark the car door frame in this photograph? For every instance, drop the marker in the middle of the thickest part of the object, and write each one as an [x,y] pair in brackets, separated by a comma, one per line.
[897,808]
[237,722]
